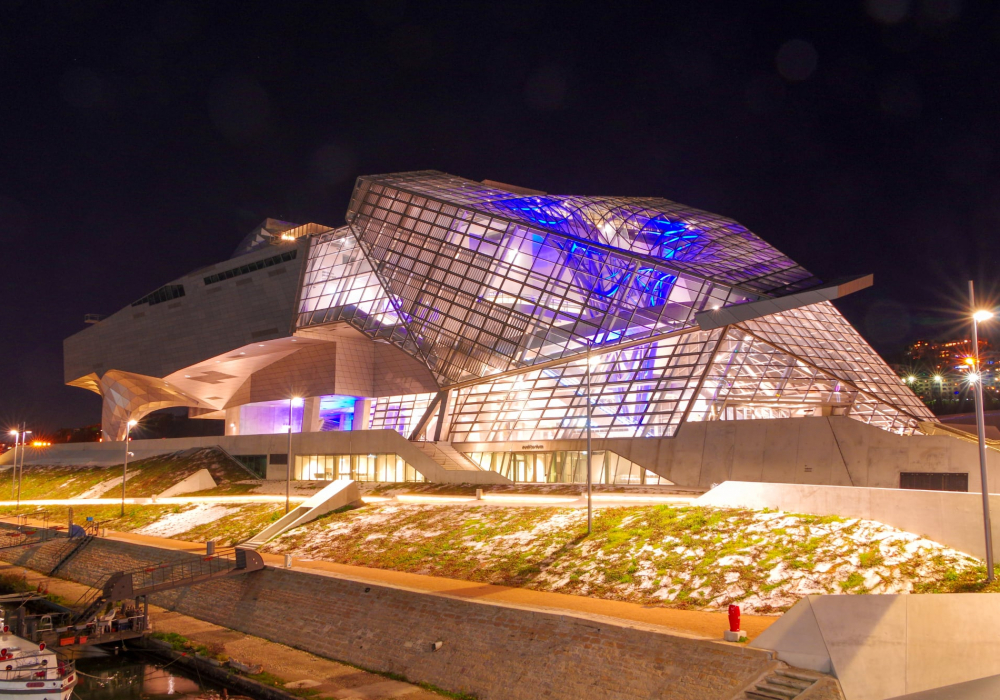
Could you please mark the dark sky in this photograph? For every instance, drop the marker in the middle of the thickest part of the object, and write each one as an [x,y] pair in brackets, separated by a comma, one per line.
[141,140]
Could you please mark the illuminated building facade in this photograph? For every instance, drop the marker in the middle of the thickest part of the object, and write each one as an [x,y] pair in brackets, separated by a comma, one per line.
[467,314]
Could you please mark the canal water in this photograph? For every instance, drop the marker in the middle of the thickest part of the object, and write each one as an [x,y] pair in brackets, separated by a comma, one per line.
[135,676]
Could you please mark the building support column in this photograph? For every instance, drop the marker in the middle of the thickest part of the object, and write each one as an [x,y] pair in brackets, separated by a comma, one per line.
[442,431]
[362,414]
[233,420]
[310,415]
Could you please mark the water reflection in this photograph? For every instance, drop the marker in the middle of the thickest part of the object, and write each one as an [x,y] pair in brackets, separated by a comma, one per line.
[133,677]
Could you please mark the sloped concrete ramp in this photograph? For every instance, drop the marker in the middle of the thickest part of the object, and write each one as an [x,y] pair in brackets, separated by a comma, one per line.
[338,494]
[201,480]
[982,689]
[883,646]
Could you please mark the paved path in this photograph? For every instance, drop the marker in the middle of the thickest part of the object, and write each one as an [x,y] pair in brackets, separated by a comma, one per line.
[602,500]
[691,623]
[599,500]
[326,678]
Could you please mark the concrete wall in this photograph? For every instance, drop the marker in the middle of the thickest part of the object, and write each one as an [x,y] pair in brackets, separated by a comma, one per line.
[207,321]
[881,646]
[490,650]
[334,442]
[953,519]
[827,450]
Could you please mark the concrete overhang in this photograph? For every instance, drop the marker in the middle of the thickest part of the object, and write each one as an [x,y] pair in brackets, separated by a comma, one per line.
[729,315]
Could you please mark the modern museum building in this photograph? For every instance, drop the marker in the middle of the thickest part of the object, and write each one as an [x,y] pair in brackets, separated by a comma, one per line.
[454,330]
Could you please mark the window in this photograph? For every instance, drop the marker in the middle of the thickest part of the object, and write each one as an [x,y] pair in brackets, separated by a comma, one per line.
[565,467]
[281,459]
[255,463]
[164,293]
[380,467]
[931,481]
[250,267]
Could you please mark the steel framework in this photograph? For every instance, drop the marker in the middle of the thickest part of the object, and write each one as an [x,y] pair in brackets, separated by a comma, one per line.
[502,295]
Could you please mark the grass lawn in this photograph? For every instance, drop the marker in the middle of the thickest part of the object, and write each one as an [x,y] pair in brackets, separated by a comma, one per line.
[687,557]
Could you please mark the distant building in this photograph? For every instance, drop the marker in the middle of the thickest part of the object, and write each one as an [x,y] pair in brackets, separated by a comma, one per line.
[937,371]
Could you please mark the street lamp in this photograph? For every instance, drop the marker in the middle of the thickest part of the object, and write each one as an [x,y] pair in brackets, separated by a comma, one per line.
[976,377]
[24,448]
[591,361]
[13,470]
[128,429]
[288,465]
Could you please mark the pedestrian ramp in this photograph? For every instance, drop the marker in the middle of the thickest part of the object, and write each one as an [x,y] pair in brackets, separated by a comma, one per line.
[338,494]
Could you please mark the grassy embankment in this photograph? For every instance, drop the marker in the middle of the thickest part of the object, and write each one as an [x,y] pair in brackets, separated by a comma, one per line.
[686,557]
[147,477]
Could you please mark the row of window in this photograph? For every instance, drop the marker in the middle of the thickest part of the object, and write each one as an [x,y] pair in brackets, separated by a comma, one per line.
[565,467]
[379,467]
[251,267]
[164,293]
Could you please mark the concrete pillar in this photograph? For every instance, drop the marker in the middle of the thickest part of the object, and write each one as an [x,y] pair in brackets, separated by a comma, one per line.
[310,415]
[442,431]
[233,421]
[362,414]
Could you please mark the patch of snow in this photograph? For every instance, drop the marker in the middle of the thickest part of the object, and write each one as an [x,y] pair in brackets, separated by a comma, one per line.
[175,523]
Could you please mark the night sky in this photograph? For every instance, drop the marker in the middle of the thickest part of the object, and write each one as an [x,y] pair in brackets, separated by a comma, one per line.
[142,140]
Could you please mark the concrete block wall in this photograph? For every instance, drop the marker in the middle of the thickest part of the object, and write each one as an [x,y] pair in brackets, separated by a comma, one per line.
[490,650]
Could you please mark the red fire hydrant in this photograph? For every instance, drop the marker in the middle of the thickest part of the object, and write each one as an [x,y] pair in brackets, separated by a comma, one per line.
[734,618]
[734,633]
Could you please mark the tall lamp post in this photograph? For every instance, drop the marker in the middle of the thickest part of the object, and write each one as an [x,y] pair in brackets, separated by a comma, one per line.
[24,448]
[288,466]
[13,470]
[977,380]
[590,459]
[128,429]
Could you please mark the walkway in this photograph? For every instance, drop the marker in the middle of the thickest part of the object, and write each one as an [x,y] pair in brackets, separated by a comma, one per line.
[603,500]
[689,623]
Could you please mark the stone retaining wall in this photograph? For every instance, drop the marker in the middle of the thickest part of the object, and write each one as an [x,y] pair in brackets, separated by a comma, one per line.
[489,650]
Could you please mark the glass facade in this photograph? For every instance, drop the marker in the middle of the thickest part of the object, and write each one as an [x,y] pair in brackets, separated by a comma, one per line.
[503,297]
[566,467]
[376,467]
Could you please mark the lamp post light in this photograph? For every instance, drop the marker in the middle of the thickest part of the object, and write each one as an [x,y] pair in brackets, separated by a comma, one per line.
[288,466]
[977,380]
[128,429]
[13,470]
[590,510]
[20,472]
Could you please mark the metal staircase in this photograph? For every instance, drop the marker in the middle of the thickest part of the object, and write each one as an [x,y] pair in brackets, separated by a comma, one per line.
[140,582]
[74,546]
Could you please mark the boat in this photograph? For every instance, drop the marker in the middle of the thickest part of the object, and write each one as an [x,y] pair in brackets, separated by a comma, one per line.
[30,671]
